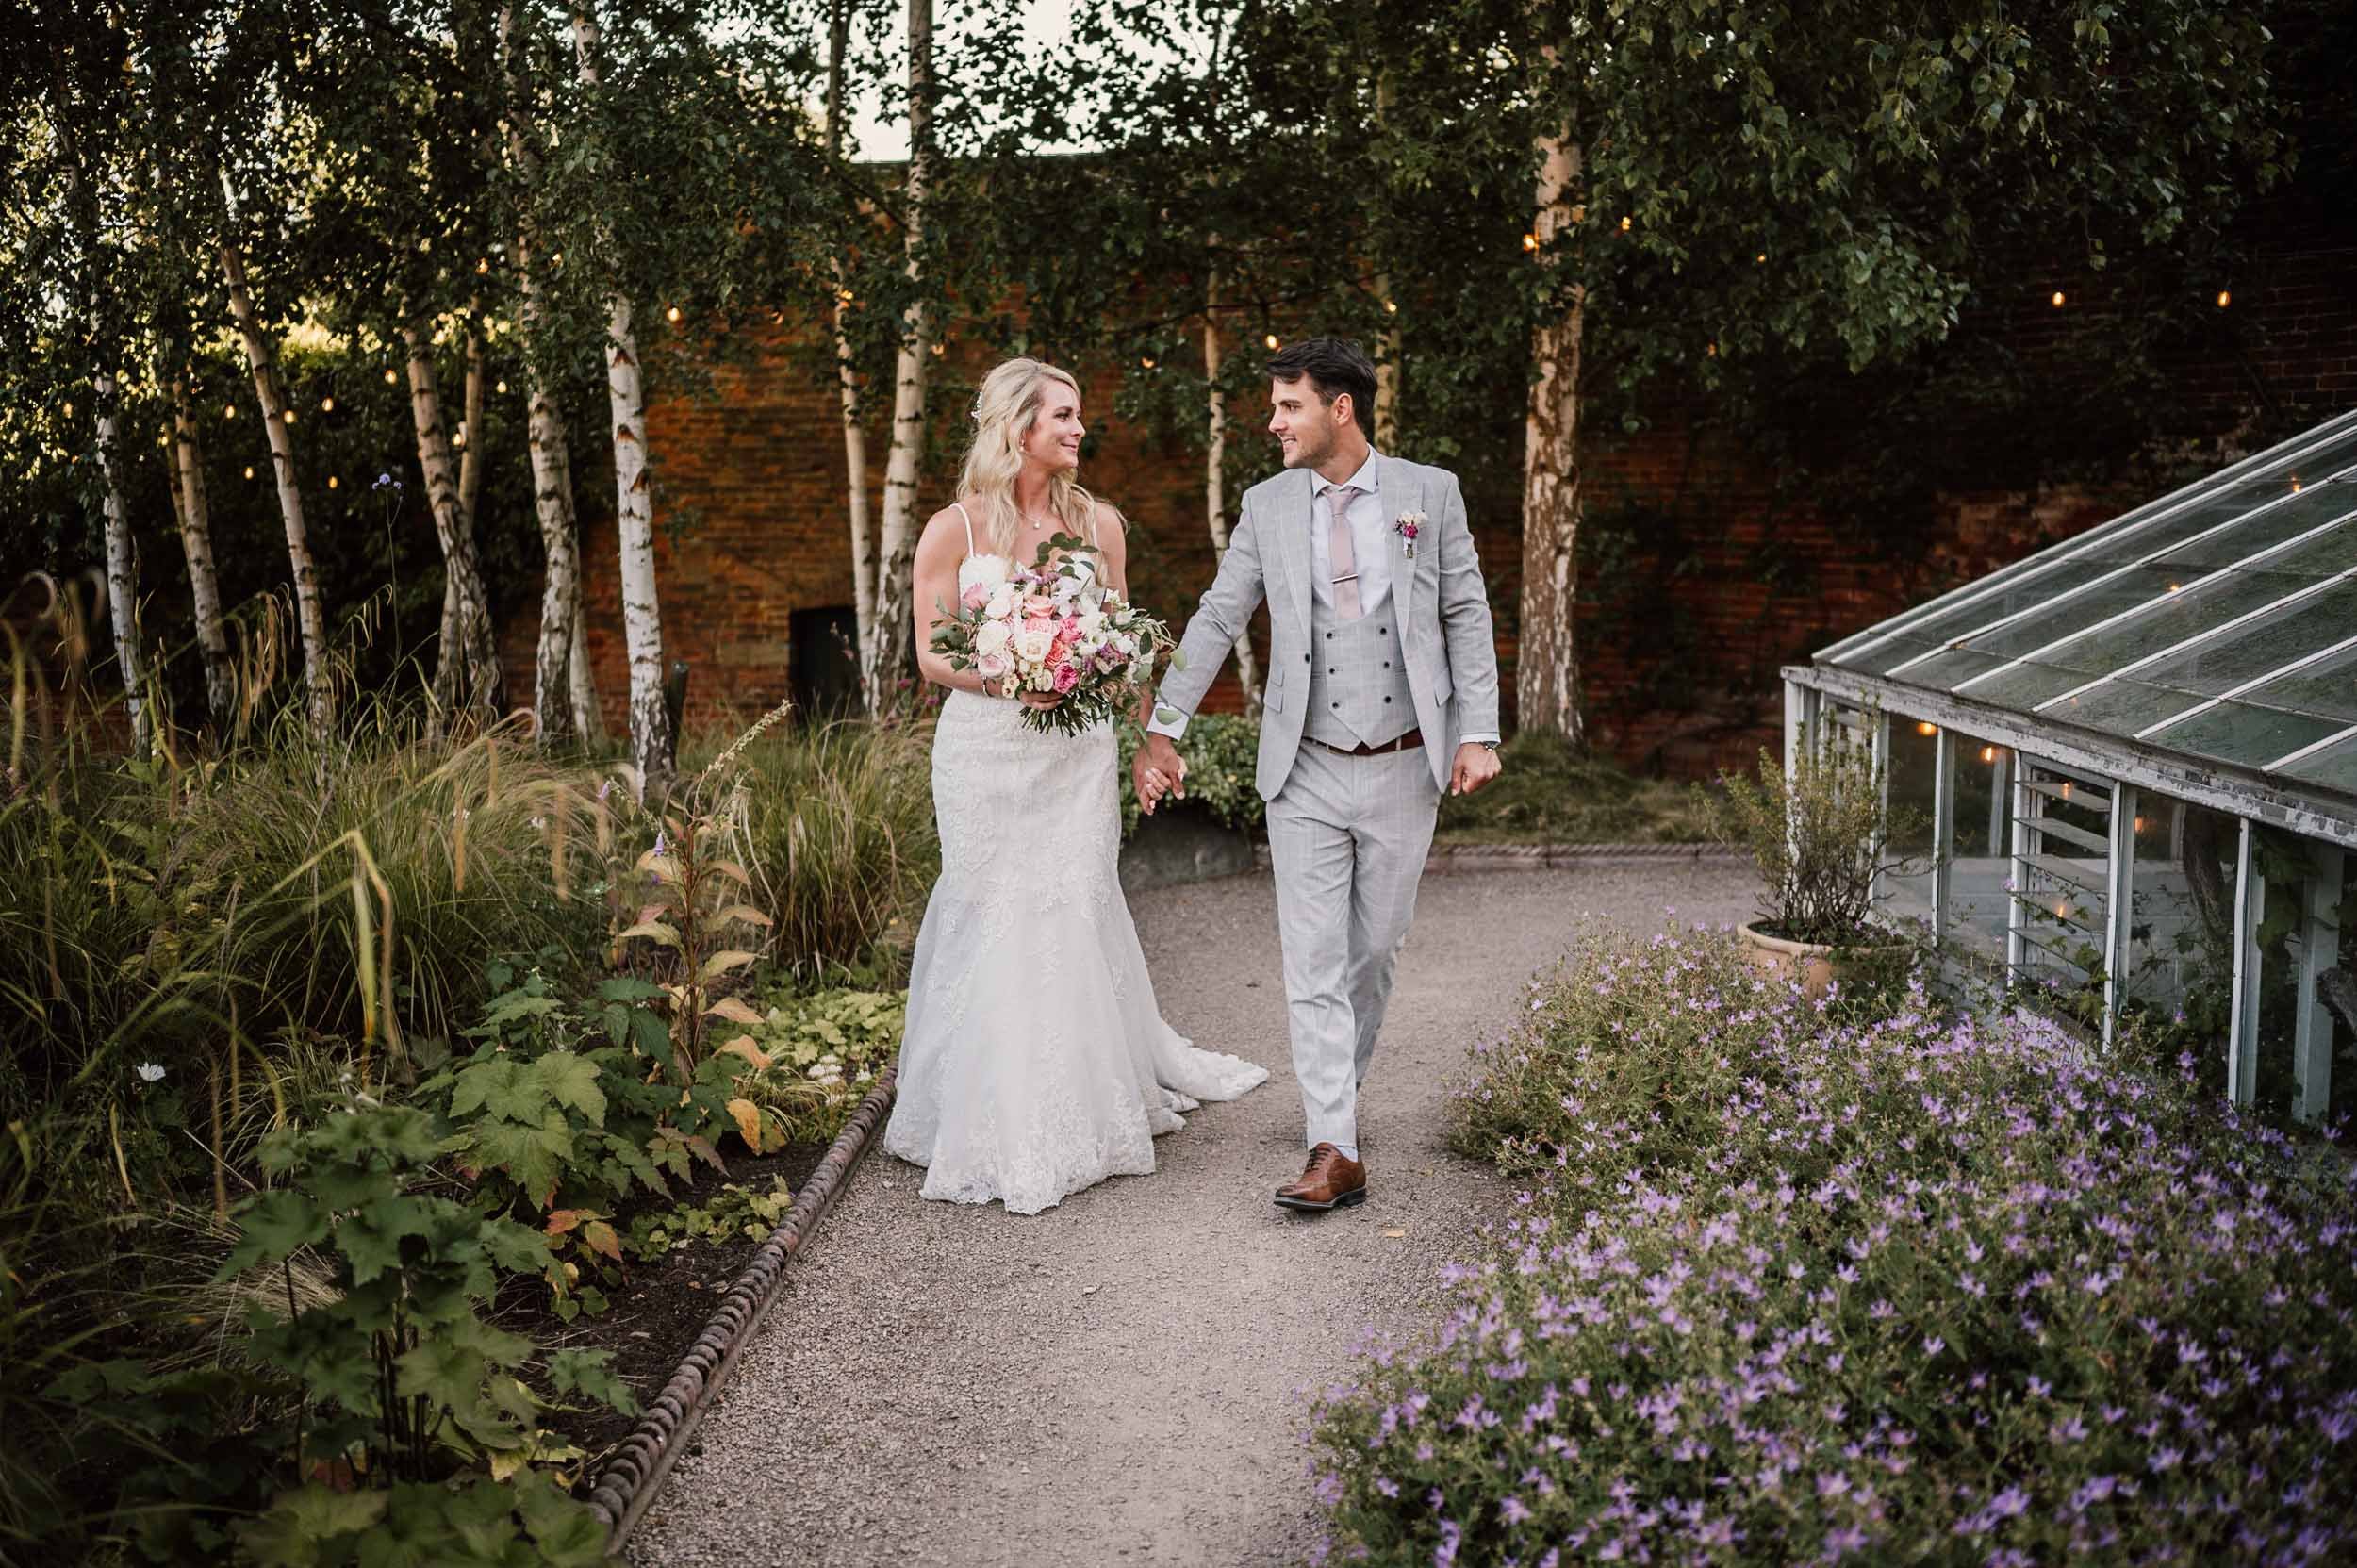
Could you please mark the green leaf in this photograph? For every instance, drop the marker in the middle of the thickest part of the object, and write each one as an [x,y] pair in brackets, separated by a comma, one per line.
[591,1374]
[302,1526]
[572,1080]
[273,1226]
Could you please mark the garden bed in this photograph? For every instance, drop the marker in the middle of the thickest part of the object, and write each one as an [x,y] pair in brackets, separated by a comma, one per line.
[660,1304]
[1860,1279]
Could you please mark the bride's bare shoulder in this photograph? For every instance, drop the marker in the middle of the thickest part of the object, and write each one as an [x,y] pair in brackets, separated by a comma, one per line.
[1109,522]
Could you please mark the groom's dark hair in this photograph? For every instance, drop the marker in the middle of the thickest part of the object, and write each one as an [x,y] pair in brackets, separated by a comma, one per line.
[1334,366]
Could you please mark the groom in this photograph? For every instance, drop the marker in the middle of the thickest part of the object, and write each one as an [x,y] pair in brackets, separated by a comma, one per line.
[1383,691]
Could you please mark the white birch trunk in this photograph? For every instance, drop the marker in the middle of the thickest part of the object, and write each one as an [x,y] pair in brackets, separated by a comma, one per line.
[651,742]
[471,455]
[122,570]
[1215,485]
[589,722]
[847,371]
[196,546]
[467,674]
[319,690]
[562,702]
[1546,669]
[885,657]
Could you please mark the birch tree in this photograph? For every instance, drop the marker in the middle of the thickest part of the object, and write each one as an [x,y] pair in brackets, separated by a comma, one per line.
[651,742]
[561,698]
[1546,669]
[195,519]
[845,361]
[883,659]
[467,671]
[98,316]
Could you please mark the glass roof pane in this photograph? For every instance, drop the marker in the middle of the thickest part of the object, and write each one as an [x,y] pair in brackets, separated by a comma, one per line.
[2154,526]
[2124,706]
[1954,623]
[2035,681]
[2269,642]
[1947,668]
[2310,509]
[2327,688]
[2333,767]
[2244,733]
[2161,596]
[1895,650]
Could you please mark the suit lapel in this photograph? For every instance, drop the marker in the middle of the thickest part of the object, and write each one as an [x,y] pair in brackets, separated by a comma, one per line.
[1300,516]
[1391,488]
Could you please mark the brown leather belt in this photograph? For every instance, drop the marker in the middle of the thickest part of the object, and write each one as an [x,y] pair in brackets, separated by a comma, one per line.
[1412,739]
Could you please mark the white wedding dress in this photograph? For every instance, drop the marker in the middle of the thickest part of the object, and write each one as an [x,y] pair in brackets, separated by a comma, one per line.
[1034,1061]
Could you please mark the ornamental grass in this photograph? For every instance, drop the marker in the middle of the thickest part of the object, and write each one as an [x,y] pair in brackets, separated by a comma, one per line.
[1895,1287]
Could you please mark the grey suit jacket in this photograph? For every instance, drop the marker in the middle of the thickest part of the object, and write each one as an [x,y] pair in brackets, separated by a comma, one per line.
[1438,596]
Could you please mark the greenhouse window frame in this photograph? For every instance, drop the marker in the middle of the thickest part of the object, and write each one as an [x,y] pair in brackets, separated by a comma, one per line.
[2132,774]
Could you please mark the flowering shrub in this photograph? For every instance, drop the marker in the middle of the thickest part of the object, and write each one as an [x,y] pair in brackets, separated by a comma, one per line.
[1898,1287]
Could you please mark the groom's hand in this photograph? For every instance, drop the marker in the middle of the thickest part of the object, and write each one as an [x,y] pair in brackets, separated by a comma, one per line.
[1477,765]
[1157,771]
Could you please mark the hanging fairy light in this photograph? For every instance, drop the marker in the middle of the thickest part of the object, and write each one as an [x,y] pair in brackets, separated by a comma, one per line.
[501,388]
[333,481]
[1626,223]
[1988,753]
[2056,301]
[1390,308]
[1761,260]
[390,377]
[1925,727]
[288,416]
[2225,298]
[228,410]
[672,315]
[327,405]
[1530,241]
[1270,340]
[69,410]
[1146,362]
[249,470]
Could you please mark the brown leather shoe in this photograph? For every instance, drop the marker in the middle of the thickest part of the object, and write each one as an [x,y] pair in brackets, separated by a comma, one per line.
[1328,1182]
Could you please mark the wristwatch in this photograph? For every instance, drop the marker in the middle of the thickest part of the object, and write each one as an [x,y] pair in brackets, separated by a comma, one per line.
[1486,745]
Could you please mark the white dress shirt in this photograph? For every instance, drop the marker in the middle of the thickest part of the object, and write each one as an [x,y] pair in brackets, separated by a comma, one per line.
[1369,546]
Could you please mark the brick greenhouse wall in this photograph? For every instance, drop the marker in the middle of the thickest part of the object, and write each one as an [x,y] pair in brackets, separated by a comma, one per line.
[1678,679]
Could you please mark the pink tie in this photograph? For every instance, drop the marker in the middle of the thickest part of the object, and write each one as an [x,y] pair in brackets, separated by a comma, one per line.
[1345,560]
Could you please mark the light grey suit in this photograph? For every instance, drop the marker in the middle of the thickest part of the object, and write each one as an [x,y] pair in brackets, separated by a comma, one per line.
[1349,835]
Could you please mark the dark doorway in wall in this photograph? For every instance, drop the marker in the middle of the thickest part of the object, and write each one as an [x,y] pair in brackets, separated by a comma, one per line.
[825,663]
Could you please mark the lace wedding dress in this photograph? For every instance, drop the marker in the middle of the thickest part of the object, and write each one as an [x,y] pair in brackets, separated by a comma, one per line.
[1034,1063]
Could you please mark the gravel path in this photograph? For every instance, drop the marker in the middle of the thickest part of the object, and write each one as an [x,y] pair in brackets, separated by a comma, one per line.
[1118,1380]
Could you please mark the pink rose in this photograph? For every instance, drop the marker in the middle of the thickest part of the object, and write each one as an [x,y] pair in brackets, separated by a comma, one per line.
[1067,676]
[975,597]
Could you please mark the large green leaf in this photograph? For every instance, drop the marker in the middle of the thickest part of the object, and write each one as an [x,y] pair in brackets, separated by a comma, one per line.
[571,1081]
[310,1526]
[273,1226]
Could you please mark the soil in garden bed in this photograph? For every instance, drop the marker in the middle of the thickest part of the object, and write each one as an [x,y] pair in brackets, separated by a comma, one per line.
[661,1305]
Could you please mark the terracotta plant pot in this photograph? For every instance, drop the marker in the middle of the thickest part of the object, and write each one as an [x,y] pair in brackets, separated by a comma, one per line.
[1816,966]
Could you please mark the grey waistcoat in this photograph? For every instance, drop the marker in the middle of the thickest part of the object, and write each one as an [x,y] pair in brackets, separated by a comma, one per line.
[1358,678]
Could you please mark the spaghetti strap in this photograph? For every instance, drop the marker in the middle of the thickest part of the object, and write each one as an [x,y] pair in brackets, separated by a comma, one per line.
[969,524]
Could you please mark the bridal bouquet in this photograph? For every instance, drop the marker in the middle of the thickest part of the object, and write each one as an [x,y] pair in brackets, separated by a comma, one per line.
[1056,629]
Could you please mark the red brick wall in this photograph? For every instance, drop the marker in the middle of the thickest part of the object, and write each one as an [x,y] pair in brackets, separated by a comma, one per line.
[749,521]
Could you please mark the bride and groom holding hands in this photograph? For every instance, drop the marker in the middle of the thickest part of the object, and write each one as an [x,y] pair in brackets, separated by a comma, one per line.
[1035,1061]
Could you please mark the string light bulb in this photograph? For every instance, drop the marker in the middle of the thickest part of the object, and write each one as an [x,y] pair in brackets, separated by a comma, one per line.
[1626,223]
[1711,351]
[941,347]
[671,315]
[1146,362]
[2057,300]
[1270,340]
[327,405]
[1390,308]
[288,416]
[249,470]
[2225,298]
[2295,483]
[482,266]
[1530,241]
[501,388]
[1925,727]
[1988,753]
[228,410]
[69,410]
[333,481]
[392,378]
[1761,260]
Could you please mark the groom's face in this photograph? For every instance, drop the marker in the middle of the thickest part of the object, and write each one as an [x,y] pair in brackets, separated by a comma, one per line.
[1305,425]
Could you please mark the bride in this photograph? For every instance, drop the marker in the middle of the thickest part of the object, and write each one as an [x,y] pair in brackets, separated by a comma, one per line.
[1035,1062]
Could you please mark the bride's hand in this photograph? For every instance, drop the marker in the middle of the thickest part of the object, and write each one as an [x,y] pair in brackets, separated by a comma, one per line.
[1040,699]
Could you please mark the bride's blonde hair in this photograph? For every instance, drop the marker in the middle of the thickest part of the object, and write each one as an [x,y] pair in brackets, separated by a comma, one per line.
[1005,412]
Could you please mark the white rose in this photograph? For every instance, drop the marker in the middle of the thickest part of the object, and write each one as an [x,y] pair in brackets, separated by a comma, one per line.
[1031,646]
[1001,604]
[991,640]
[1091,622]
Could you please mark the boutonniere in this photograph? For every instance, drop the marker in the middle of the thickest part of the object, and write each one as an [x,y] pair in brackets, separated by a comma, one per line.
[1409,525]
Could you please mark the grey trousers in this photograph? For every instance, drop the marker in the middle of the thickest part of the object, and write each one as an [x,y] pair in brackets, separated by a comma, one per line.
[1348,837]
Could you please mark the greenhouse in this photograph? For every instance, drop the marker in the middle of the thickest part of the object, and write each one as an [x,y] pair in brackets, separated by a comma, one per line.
[2130,762]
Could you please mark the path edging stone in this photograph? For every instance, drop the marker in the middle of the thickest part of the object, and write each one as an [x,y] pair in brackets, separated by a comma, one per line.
[630,1479]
